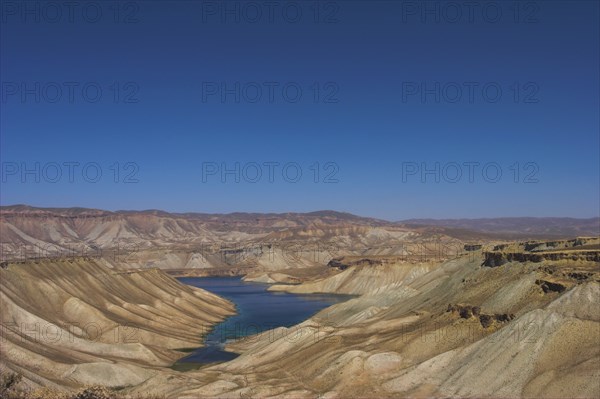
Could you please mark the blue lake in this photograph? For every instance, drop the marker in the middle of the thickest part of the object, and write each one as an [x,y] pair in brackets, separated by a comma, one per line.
[258,310]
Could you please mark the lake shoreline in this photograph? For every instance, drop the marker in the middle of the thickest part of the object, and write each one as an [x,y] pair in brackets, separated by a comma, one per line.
[258,311]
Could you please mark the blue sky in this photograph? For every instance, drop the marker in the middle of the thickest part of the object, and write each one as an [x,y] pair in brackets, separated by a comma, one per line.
[160,97]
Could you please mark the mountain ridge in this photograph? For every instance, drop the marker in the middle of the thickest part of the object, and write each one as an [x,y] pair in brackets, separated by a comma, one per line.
[327,213]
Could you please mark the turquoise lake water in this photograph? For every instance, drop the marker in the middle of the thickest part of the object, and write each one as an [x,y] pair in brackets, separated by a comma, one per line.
[258,311]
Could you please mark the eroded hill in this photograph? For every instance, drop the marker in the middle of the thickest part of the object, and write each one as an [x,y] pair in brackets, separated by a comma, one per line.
[457,328]
[75,322]
[208,244]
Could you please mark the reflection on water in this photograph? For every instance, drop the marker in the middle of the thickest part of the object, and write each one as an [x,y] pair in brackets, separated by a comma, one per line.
[258,310]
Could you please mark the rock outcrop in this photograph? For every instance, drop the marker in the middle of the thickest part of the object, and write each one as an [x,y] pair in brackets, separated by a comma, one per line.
[584,249]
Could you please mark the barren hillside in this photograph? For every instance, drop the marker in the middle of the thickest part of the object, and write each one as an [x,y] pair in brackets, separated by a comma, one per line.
[77,322]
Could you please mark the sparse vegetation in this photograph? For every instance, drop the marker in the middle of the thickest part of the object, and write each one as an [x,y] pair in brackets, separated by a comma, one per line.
[10,388]
[9,383]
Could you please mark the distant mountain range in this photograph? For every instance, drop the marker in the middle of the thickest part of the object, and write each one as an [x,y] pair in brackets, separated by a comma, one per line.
[178,240]
[525,226]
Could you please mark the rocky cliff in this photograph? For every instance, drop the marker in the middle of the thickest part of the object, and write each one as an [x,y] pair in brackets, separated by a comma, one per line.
[586,249]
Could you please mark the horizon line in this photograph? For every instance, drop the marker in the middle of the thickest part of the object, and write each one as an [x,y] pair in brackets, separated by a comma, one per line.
[414,219]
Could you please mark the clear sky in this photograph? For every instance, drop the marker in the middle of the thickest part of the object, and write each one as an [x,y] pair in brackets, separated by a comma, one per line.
[390,109]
